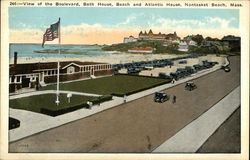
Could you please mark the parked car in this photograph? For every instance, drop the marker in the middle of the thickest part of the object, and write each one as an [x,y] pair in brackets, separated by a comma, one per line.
[183,62]
[197,67]
[190,86]
[226,68]
[133,71]
[190,70]
[163,75]
[173,75]
[161,97]
[13,123]
[148,67]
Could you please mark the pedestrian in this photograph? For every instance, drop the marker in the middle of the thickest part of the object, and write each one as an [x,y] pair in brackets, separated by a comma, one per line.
[174,99]
[125,98]
[90,104]
[173,81]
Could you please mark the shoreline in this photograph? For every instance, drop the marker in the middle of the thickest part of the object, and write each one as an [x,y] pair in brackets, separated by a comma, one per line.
[113,58]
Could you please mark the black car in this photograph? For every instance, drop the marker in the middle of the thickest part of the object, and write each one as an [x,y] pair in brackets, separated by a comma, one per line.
[174,75]
[190,86]
[163,75]
[161,97]
[13,123]
[133,71]
[226,68]
[183,62]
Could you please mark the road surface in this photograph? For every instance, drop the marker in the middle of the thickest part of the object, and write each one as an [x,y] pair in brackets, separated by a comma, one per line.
[137,126]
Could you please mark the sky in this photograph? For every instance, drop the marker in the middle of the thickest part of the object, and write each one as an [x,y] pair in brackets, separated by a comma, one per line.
[111,25]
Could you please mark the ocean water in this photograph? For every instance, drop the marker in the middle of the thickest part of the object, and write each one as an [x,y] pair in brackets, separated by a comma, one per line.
[31,50]
[30,53]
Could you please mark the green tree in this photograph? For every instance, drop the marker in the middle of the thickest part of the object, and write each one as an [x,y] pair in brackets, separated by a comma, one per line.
[198,39]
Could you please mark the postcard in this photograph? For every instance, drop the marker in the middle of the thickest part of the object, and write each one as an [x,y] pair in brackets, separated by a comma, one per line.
[124,79]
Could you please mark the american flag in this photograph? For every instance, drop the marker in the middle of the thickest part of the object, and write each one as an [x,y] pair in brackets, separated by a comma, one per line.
[52,32]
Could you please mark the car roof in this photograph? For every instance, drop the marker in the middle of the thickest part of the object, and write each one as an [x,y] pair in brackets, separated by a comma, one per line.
[190,82]
[160,93]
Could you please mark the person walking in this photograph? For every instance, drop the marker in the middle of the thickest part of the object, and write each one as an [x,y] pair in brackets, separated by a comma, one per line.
[125,98]
[173,80]
[174,99]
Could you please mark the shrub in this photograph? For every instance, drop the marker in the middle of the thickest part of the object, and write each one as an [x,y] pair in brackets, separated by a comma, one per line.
[74,108]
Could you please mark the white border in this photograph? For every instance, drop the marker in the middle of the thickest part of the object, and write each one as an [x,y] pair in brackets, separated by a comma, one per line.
[244,31]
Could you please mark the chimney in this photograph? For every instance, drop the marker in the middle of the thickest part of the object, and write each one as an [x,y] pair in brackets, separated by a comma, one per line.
[15,58]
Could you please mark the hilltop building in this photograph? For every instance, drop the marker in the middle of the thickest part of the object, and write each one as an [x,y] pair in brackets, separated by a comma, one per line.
[233,42]
[129,39]
[183,46]
[150,36]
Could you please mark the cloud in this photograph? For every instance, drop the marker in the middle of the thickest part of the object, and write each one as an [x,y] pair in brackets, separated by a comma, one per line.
[129,20]
[99,34]
[26,36]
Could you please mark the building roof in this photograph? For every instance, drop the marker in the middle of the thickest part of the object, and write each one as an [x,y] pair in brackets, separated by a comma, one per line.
[150,34]
[142,49]
[34,67]
[230,38]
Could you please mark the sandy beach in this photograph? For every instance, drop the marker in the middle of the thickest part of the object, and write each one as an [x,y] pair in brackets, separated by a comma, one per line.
[112,58]
[115,58]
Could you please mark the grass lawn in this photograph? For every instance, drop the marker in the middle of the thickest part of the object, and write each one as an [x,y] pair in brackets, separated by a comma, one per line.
[47,101]
[118,84]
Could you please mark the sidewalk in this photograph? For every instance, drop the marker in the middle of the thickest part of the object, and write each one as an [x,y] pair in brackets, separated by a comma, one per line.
[32,123]
[191,137]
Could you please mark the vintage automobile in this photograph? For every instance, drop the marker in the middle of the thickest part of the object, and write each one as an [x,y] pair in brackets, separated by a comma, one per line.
[13,123]
[226,68]
[190,86]
[161,97]
[183,62]
[133,71]
[163,75]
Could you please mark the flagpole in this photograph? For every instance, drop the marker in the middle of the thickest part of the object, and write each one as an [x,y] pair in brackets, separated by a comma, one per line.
[58,66]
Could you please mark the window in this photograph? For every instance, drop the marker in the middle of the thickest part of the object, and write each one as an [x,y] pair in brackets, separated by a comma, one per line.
[33,79]
[18,79]
[71,69]
[12,79]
